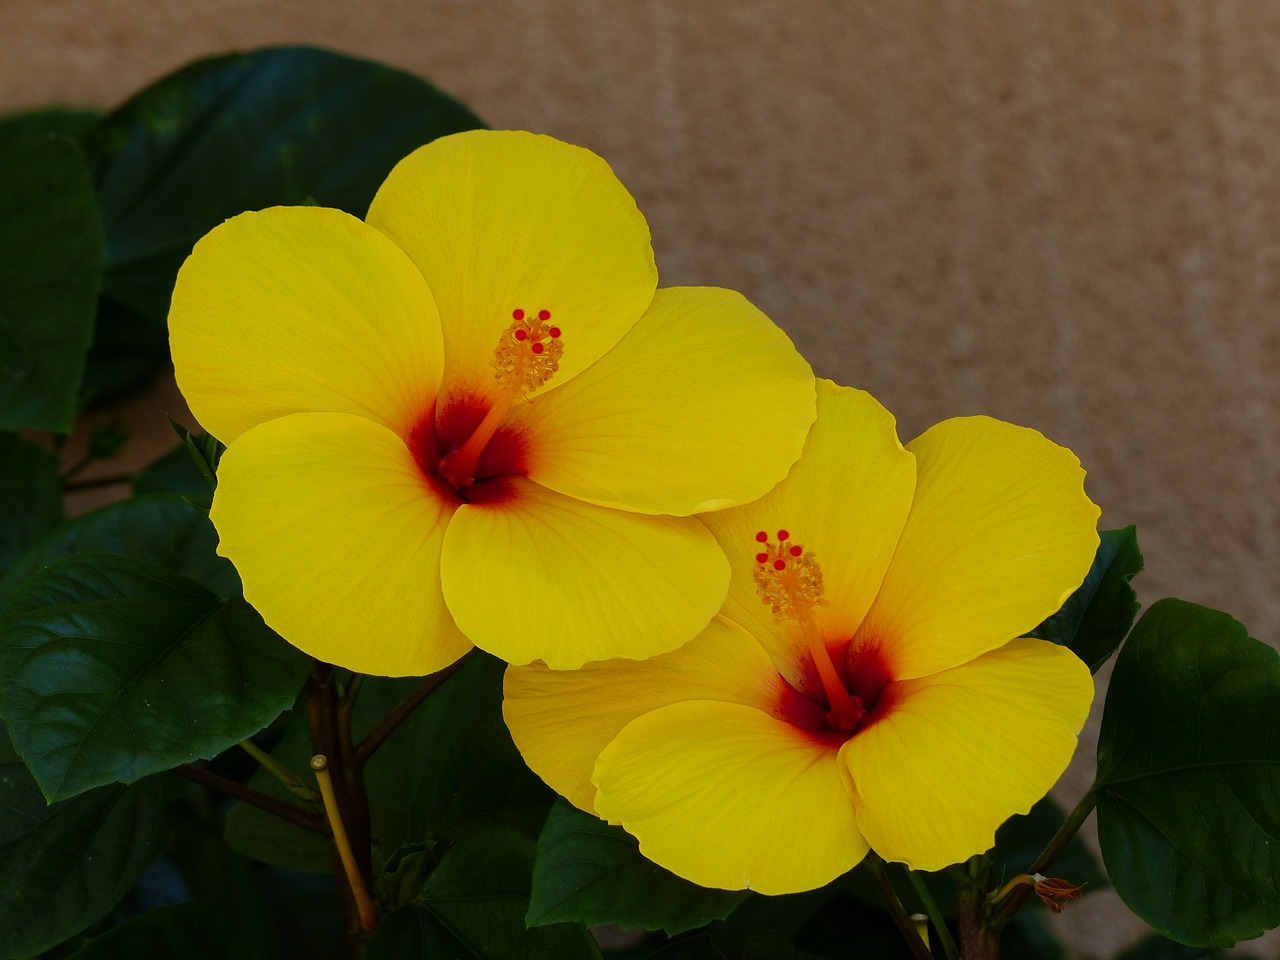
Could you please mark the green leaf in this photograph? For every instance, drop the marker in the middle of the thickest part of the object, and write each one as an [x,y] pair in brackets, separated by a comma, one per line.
[591,872]
[700,947]
[241,132]
[160,528]
[64,866]
[52,238]
[192,931]
[1189,776]
[1095,618]
[174,472]
[30,496]
[68,122]
[473,905]
[1156,947]
[114,668]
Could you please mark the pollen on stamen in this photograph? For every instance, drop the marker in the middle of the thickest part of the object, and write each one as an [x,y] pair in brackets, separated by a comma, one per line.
[528,352]
[788,580]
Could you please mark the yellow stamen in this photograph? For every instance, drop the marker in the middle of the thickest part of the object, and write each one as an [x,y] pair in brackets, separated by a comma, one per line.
[526,357]
[789,582]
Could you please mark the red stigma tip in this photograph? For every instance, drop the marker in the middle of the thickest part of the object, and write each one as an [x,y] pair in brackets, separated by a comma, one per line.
[783,535]
[522,334]
[779,564]
[544,314]
[537,348]
[554,333]
[761,557]
[796,551]
[762,537]
[517,314]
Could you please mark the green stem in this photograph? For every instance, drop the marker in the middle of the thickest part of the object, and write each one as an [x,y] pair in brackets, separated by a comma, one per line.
[935,915]
[279,771]
[1053,849]
[896,911]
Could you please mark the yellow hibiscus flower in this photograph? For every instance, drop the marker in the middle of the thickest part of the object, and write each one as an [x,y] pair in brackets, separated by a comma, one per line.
[862,689]
[471,417]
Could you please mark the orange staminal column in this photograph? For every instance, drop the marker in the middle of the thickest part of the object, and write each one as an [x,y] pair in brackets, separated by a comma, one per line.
[789,581]
[527,356]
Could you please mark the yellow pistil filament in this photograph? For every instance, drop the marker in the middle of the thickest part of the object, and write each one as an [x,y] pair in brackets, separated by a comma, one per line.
[527,356]
[789,581]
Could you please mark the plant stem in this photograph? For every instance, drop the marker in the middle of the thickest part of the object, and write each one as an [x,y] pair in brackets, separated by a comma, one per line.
[279,771]
[1053,849]
[364,903]
[896,911]
[281,808]
[401,712]
[935,915]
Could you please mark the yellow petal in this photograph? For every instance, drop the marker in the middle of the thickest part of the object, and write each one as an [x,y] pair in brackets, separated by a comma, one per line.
[845,500]
[302,309]
[562,719]
[1000,534]
[704,404]
[534,575]
[337,539]
[959,752]
[503,220]
[727,796]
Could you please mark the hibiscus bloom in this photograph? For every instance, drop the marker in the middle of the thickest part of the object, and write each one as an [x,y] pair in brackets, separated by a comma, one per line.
[863,688]
[471,417]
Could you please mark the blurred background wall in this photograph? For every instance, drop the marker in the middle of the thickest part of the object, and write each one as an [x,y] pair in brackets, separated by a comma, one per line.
[1063,215]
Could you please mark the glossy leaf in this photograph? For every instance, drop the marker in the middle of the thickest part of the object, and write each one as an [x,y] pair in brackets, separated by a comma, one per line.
[52,237]
[114,668]
[472,906]
[243,132]
[1189,776]
[591,872]
[1094,620]
[30,497]
[66,865]
[192,931]
[161,529]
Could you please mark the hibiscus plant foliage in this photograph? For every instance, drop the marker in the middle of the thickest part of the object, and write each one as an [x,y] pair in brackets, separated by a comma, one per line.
[179,778]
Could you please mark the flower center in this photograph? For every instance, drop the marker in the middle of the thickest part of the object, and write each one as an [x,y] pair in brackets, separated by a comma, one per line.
[789,581]
[527,356]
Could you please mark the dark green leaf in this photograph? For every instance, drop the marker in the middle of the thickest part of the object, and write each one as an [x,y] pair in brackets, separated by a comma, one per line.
[160,528]
[1095,618]
[473,905]
[243,132]
[591,872]
[126,352]
[204,451]
[1189,776]
[64,866]
[1020,840]
[192,931]
[114,668]
[30,496]
[769,946]
[475,771]
[67,122]
[51,235]
[175,472]
[1156,947]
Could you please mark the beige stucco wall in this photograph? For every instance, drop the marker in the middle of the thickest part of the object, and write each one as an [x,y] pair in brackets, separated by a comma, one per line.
[1064,215]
